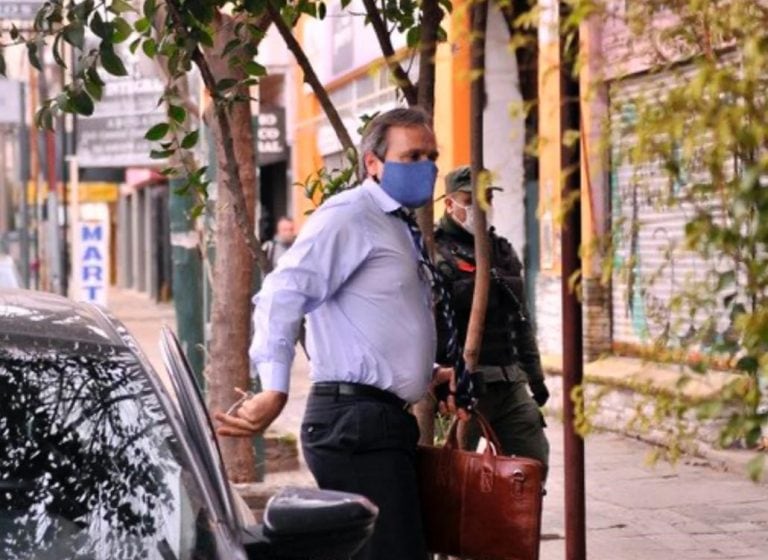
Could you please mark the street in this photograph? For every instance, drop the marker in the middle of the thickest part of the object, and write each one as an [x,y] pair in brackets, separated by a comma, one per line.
[689,511]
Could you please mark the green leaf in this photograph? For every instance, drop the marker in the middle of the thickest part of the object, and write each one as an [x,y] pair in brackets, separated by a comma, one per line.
[756,466]
[306,7]
[110,61]
[412,37]
[748,364]
[120,7]
[142,25]
[322,10]
[255,69]
[149,46]
[230,46]
[32,54]
[190,140]
[101,28]
[150,7]
[93,75]
[2,63]
[157,132]
[82,10]
[254,7]
[74,34]
[44,118]
[94,89]
[160,154]
[202,36]
[82,103]
[56,50]
[121,30]
[134,46]
[64,102]
[177,113]
[225,84]
[15,34]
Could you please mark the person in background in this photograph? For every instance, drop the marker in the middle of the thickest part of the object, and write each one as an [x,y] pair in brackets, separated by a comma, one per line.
[509,355]
[284,238]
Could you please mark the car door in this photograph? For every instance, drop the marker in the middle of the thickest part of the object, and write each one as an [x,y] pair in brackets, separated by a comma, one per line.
[198,424]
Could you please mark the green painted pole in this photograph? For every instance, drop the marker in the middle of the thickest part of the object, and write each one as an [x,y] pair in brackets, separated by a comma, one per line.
[187,278]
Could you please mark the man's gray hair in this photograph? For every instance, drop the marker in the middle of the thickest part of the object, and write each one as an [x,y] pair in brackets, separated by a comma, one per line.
[374,138]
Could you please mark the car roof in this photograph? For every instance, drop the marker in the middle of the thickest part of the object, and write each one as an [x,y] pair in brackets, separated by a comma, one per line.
[46,316]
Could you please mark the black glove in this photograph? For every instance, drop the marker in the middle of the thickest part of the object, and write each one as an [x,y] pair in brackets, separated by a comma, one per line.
[540,392]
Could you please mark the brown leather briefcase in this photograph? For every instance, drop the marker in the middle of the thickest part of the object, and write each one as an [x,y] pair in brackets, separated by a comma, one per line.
[482,506]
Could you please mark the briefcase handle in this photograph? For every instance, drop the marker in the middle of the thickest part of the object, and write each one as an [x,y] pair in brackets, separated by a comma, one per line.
[494,447]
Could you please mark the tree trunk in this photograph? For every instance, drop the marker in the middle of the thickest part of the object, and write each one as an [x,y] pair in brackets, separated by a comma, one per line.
[432,15]
[482,249]
[228,364]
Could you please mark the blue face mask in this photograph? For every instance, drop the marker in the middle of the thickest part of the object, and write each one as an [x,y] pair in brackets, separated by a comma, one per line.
[410,184]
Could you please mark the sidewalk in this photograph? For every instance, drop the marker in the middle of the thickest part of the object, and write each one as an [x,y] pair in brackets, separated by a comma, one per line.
[688,512]
[144,318]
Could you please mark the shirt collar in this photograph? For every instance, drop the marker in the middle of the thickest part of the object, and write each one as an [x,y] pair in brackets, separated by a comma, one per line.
[381,198]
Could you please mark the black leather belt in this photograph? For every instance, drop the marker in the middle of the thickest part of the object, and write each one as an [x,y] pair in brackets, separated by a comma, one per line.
[343,389]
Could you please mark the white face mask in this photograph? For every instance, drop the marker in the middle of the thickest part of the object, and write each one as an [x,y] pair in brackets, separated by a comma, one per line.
[469,220]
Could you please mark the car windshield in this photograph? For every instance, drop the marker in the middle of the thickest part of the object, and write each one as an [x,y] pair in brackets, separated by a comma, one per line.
[89,465]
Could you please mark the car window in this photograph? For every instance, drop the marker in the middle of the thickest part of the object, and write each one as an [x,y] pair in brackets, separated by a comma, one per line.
[90,466]
[198,422]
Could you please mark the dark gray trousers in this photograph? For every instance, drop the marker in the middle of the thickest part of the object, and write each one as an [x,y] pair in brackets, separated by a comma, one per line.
[360,445]
[516,419]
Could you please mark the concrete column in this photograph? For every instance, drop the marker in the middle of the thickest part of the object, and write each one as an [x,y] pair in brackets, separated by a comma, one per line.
[138,277]
[150,244]
[124,262]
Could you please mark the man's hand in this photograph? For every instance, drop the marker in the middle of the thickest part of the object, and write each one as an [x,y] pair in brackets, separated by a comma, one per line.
[254,415]
[448,406]
[540,393]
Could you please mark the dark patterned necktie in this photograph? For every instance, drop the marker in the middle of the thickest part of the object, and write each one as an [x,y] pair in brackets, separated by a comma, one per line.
[464,387]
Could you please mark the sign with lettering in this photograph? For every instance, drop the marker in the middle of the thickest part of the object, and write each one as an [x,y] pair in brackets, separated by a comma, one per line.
[114,135]
[270,135]
[92,261]
[10,101]
[19,9]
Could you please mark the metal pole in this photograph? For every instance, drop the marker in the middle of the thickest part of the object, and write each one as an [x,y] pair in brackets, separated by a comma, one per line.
[74,182]
[64,149]
[5,225]
[23,163]
[54,279]
[34,172]
[573,361]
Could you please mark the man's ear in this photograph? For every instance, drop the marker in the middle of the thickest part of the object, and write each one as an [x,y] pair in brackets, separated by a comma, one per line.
[449,204]
[373,165]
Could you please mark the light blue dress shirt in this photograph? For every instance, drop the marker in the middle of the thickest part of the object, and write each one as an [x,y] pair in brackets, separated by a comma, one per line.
[354,271]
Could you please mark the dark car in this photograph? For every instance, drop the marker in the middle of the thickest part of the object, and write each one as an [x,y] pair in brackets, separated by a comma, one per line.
[101,459]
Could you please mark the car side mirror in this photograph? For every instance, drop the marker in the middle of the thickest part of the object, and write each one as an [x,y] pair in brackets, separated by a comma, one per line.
[302,523]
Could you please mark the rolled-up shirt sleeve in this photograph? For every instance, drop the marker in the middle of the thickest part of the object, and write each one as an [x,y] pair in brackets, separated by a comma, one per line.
[331,246]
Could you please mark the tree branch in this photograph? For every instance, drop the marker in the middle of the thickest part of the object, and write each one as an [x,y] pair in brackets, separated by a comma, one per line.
[482,243]
[431,17]
[430,23]
[232,184]
[311,77]
[385,42]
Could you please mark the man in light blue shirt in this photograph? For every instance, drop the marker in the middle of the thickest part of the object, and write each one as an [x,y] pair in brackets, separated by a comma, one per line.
[354,270]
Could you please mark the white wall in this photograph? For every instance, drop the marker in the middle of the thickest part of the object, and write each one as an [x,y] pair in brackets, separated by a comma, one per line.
[504,134]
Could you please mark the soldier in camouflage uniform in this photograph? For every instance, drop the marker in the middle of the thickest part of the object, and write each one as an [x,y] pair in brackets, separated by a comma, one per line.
[509,357]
